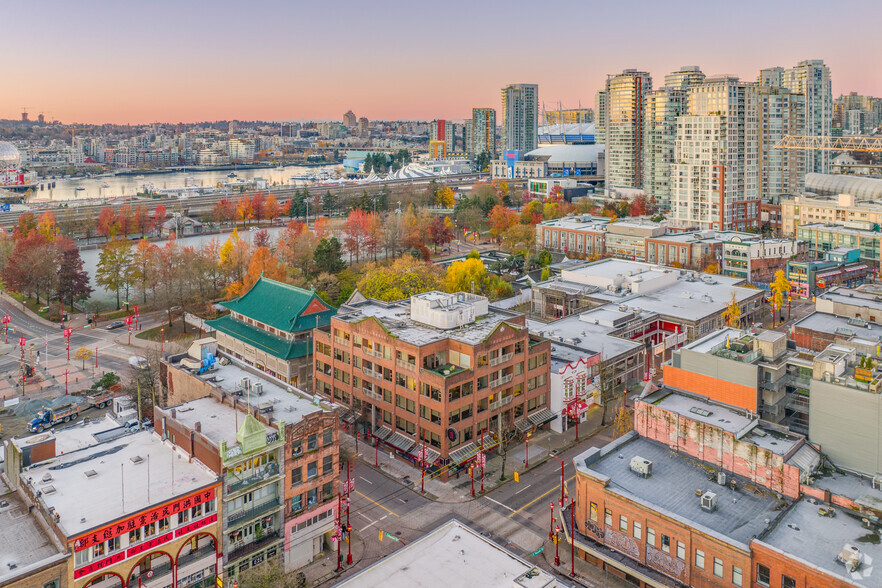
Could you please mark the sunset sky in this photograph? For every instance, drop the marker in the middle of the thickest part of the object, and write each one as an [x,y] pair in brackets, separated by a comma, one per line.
[98,61]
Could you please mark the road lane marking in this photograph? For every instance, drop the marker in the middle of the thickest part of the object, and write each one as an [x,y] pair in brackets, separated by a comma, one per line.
[377,503]
[401,499]
[366,480]
[372,524]
[524,488]
[500,504]
[539,498]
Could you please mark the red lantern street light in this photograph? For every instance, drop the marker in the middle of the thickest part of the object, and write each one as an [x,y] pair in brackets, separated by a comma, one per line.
[6,320]
[551,524]
[557,545]
[67,334]
[22,343]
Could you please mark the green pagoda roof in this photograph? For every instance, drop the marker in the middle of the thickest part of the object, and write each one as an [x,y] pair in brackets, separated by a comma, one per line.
[275,346]
[285,307]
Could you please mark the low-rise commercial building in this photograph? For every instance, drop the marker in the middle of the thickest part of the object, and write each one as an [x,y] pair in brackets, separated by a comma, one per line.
[437,370]
[276,448]
[452,555]
[757,260]
[133,511]
[804,209]
[270,327]
[821,238]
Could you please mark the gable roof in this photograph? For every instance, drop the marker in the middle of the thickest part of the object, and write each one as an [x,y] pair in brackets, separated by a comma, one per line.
[285,307]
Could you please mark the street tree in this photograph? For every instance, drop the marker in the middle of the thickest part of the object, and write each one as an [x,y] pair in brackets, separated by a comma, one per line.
[73,280]
[406,277]
[114,271]
[327,256]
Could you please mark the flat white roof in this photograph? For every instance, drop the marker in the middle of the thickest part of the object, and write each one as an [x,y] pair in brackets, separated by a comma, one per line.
[219,421]
[119,486]
[464,557]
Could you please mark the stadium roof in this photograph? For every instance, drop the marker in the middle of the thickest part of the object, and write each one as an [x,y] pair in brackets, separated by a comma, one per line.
[566,153]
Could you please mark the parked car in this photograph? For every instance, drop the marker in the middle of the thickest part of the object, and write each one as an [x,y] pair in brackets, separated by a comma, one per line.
[138,362]
[115,325]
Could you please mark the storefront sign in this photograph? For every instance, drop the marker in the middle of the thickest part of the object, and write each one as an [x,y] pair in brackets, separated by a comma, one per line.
[124,526]
[99,565]
[272,437]
[197,525]
[148,545]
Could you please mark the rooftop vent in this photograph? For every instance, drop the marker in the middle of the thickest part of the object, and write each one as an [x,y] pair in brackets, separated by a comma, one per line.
[47,477]
[641,466]
[12,565]
[258,388]
[709,501]
[90,474]
[700,411]
[136,459]
[50,489]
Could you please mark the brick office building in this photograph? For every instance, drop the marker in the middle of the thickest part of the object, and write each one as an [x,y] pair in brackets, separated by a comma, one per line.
[439,367]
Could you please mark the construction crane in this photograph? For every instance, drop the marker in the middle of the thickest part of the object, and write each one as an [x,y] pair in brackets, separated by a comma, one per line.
[868,144]
[73,131]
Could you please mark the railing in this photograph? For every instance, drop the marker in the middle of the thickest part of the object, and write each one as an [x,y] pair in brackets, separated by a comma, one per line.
[372,395]
[501,402]
[244,550]
[188,558]
[341,341]
[372,373]
[501,381]
[501,359]
[377,354]
[406,365]
[268,471]
[158,572]
[256,510]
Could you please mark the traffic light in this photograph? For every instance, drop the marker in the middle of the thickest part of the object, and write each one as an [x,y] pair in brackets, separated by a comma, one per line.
[517,478]
[381,535]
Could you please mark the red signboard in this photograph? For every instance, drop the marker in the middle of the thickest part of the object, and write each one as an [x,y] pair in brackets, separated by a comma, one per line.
[148,545]
[146,517]
[99,565]
[197,525]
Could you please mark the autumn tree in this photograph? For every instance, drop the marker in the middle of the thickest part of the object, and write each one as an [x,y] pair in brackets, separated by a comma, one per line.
[262,238]
[31,268]
[355,232]
[126,219]
[440,232]
[159,217]
[234,257]
[780,288]
[243,210]
[108,223]
[114,271]
[144,267]
[27,222]
[639,206]
[501,219]
[263,263]
[321,227]
[46,225]
[468,275]
[519,239]
[223,211]
[531,214]
[732,314]
[272,208]
[73,280]
[404,278]
[258,207]
[444,197]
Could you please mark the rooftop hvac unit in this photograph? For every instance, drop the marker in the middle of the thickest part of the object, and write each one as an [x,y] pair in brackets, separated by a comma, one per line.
[641,466]
[258,388]
[721,478]
[709,501]
[850,556]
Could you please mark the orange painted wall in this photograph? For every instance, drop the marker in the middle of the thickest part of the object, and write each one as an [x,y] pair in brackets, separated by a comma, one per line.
[713,388]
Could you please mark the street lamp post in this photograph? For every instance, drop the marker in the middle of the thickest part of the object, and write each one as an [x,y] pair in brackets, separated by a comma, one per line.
[67,333]
[339,526]
[527,460]
[551,522]
[65,382]
[22,343]
[6,320]
[483,461]
[557,545]
[161,339]
[561,480]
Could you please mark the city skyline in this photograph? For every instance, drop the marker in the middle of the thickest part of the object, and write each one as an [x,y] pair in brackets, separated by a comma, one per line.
[170,62]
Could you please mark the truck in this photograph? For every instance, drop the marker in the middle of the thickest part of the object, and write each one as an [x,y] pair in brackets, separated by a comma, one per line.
[100,399]
[49,417]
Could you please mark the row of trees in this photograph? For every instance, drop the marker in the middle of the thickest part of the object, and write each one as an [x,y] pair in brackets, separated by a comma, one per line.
[38,262]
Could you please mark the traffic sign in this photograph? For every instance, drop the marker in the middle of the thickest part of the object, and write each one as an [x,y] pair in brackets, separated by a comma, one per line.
[481,460]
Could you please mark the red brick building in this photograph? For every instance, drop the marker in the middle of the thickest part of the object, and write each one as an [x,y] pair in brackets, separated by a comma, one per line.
[436,369]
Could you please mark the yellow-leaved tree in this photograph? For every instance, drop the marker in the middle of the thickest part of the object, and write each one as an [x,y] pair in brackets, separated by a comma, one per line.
[404,278]
[780,288]
[732,314]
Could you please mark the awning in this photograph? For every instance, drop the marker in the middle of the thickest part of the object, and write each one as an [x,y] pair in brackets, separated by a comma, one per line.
[489,441]
[401,442]
[431,456]
[382,433]
[541,417]
[348,416]
[464,453]
[523,425]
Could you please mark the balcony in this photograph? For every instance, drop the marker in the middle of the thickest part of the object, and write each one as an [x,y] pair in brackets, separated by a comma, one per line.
[405,365]
[158,572]
[372,373]
[501,359]
[501,402]
[372,395]
[200,553]
[254,511]
[501,381]
[235,483]
[341,341]
[373,353]
[249,548]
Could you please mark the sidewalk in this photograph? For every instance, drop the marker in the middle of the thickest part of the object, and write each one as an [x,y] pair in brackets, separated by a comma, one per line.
[543,445]
[323,569]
